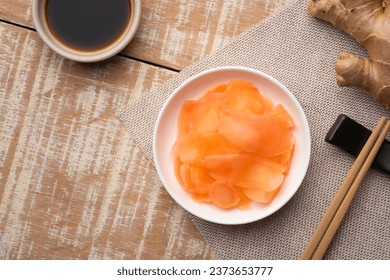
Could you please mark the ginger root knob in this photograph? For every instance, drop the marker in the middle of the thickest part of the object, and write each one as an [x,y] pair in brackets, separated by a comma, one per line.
[368,22]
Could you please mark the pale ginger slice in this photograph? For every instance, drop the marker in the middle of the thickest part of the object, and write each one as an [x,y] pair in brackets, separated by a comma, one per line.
[368,21]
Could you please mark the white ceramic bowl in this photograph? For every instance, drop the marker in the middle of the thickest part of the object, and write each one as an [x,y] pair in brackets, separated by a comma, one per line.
[165,136]
[38,13]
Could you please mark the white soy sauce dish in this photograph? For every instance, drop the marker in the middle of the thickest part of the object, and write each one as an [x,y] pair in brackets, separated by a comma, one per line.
[86,31]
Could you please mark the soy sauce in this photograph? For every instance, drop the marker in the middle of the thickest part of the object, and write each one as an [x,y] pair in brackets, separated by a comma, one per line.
[87,25]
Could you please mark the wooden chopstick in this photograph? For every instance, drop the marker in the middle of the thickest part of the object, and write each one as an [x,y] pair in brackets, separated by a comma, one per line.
[341,211]
[317,244]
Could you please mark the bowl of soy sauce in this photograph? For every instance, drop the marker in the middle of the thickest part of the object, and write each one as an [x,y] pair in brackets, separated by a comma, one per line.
[85,30]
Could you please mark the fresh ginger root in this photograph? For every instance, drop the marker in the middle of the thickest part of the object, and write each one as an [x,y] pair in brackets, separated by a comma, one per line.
[368,21]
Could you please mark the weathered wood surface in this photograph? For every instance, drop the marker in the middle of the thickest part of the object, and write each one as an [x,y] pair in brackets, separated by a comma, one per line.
[73,185]
[176,33]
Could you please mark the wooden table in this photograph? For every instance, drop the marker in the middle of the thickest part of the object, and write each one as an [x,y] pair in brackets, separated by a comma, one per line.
[73,184]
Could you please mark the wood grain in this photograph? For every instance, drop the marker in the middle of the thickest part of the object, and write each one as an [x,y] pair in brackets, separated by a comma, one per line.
[72,182]
[177,33]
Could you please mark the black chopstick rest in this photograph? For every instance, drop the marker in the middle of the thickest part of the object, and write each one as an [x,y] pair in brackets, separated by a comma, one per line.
[351,136]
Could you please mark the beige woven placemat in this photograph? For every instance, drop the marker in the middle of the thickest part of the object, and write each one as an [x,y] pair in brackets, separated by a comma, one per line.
[300,52]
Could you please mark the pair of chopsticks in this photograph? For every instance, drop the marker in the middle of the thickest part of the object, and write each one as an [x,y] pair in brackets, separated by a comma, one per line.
[337,209]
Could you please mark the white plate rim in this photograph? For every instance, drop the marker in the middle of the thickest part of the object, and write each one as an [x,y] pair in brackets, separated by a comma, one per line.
[173,95]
